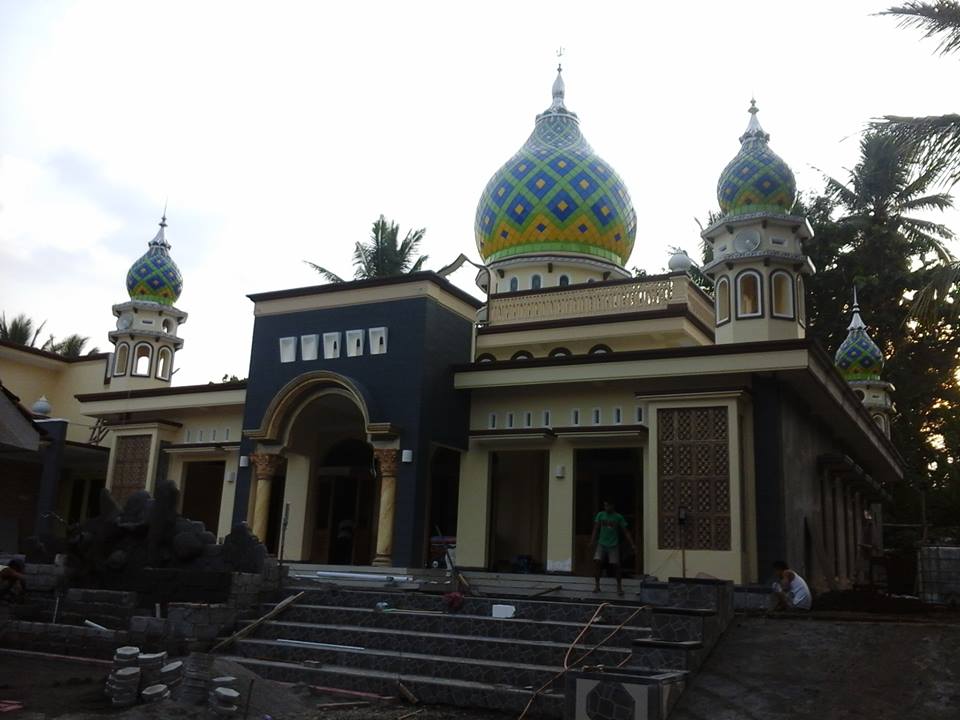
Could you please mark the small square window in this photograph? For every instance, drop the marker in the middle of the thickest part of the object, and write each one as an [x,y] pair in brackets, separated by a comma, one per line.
[617,416]
[596,416]
[226,434]
[309,346]
[639,414]
[575,417]
[331,345]
[528,419]
[509,420]
[189,435]
[492,421]
[288,349]
[213,435]
[378,340]
[354,343]
[546,418]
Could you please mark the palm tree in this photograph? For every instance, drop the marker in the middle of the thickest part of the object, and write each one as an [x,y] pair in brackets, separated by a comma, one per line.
[936,139]
[381,256]
[20,330]
[70,346]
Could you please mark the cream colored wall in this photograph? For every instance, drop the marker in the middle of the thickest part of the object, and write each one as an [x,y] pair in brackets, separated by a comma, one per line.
[619,337]
[727,565]
[176,471]
[297,492]
[560,499]
[759,328]
[227,423]
[29,376]
[560,404]
[578,274]
[473,507]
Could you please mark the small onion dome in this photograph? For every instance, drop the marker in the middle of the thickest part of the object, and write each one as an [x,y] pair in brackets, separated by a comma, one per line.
[556,196]
[858,357]
[155,277]
[680,261]
[41,406]
[756,180]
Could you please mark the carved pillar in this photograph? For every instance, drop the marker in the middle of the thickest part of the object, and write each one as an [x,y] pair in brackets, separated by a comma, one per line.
[387,462]
[265,468]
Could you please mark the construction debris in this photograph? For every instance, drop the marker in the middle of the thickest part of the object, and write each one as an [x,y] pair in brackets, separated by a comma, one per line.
[243,632]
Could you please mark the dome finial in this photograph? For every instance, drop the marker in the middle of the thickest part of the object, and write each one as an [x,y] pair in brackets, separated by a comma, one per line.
[754,131]
[160,239]
[856,322]
[559,89]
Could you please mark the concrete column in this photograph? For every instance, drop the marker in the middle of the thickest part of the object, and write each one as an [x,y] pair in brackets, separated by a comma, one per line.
[265,468]
[387,464]
[829,527]
[840,524]
[51,454]
[560,525]
[473,513]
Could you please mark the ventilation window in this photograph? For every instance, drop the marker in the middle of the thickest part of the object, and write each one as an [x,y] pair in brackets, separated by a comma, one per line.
[485,357]
[354,343]
[617,416]
[801,301]
[723,300]
[748,295]
[123,358]
[199,435]
[378,340]
[596,416]
[522,355]
[309,347]
[536,282]
[288,349]
[564,281]
[781,287]
[168,326]
[575,417]
[189,435]
[639,414]
[600,349]
[331,345]
[142,356]
[213,435]
[509,420]
[528,419]
[164,363]
[546,418]
[778,241]
[560,352]
[492,421]
[226,434]
[514,284]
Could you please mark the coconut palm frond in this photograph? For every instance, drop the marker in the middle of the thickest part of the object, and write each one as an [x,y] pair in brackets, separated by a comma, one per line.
[929,301]
[326,274]
[935,139]
[940,18]
[938,201]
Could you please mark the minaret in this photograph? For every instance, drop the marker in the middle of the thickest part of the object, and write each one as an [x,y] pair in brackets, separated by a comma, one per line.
[758,258]
[146,340]
[860,362]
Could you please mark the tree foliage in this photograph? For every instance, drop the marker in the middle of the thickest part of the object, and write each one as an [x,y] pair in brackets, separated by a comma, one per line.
[866,235]
[383,255]
[23,330]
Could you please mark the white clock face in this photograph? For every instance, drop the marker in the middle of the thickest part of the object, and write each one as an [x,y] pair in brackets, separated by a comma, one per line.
[746,241]
[124,321]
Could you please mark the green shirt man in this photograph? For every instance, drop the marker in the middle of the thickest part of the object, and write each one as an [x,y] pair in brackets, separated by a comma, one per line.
[608,525]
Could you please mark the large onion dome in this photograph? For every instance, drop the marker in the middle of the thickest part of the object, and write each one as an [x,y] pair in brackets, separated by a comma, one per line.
[155,277]
[556,196]
[756,180]
[858,357]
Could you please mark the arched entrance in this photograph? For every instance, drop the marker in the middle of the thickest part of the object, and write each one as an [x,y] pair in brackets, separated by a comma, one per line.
[330,458]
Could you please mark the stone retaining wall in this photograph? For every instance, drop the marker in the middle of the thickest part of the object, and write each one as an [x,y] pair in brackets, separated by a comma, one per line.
[61,639]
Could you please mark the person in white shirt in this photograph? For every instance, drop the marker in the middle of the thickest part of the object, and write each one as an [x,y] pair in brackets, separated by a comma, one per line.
[791,591]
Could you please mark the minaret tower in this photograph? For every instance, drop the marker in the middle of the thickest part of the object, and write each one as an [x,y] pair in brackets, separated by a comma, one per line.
[758,259]
[146,340]
[860,362]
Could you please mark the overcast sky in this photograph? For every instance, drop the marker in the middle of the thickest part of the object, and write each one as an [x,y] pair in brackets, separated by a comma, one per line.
[279,131]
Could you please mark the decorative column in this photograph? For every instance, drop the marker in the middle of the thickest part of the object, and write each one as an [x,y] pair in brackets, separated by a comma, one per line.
[387,463]
[265,468]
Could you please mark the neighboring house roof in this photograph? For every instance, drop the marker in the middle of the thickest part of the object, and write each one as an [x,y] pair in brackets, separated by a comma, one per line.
[17,427]
[50,355]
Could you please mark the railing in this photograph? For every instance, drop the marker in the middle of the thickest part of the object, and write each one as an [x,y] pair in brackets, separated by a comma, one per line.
[600,299]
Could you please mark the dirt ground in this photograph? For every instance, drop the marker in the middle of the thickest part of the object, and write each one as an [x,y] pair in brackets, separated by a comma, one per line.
[774,669]
[763,669]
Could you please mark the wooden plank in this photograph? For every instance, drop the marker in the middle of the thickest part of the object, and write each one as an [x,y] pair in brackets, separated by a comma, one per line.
[243,632]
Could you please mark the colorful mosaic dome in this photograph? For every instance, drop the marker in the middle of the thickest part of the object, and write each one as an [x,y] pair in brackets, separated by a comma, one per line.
[155,277]
[858,357]
[556,195]
[756,180]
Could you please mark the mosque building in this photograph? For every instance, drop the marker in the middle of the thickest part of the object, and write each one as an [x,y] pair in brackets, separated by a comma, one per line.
[379,414]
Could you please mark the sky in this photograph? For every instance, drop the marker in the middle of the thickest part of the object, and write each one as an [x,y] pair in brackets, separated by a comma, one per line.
[277,132]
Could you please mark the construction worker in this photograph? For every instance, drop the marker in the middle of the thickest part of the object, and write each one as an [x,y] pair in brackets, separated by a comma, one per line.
[790,591]
[13,580]
[608,526]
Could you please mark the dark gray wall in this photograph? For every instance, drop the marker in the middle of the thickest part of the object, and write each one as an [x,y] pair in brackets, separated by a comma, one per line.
[410,386]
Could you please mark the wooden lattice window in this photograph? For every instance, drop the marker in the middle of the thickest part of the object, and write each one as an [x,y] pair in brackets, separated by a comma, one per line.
[130,466]
[693,473]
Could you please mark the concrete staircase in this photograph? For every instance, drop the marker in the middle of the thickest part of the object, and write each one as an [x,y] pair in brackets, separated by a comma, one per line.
[337,637]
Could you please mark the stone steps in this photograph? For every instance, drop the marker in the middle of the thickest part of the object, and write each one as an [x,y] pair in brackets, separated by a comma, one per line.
[429,690]
[538,652]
